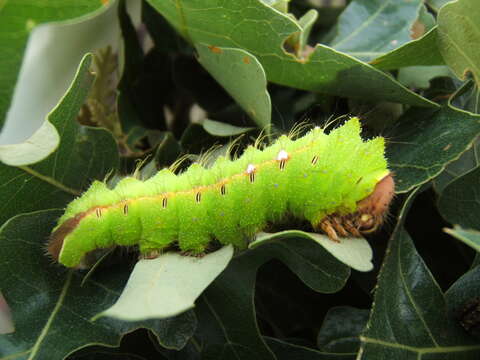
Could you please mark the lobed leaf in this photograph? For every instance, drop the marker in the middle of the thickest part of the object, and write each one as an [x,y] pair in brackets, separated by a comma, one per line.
[82,155]
[42,43]
[262,31]
[169,285]
[52,310]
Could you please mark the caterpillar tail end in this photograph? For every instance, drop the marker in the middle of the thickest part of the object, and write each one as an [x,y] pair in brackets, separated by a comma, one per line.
[57,238]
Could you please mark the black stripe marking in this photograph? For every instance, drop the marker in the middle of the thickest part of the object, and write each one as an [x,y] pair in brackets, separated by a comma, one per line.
[198,197]
[223,190]
[164,202]
[125,209]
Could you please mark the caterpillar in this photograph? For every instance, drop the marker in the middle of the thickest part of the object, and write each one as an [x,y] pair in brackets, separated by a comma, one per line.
[338,182]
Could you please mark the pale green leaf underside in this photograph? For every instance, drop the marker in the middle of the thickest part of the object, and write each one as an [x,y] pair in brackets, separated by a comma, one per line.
[469,237]
[354,252]
[168,285]
[242,76]
[37,147]
[218,128]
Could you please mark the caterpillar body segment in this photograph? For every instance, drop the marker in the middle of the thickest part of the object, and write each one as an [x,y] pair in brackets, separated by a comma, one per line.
[338,182]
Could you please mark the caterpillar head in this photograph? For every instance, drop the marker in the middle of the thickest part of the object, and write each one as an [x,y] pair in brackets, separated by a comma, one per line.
[372,210]
[369,216]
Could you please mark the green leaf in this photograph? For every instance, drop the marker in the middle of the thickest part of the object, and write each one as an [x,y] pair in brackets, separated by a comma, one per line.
[34,77]
[82,155]
[242,76]
[469,237]
[437,4]
[287,351]
[424,142]
[459,201]
[229,300]
[409,319]
[418,77]
[467,97]
[341,329]
[419,52]
[354,252]
[462,301]
[177,282]
[260,30]
[50,305]
[368,29]
[468,161]
[457,31]
[218,128]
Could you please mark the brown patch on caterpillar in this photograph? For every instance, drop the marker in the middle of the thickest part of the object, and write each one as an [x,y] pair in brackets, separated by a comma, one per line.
[377,203]
[55,242]
[368,217]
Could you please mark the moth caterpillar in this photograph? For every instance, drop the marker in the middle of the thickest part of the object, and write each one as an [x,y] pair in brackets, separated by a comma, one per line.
[337,181]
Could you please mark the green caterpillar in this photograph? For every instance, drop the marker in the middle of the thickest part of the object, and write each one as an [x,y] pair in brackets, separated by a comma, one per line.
[338,182]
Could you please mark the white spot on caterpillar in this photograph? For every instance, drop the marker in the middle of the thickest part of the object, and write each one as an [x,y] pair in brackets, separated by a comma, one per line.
[251,172]
[282,157]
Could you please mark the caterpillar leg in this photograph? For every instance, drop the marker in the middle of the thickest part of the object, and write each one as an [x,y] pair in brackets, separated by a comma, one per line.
[327,227]
[151,254]
[192,244]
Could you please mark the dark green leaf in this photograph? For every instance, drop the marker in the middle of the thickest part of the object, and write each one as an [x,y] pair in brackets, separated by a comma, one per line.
[369,29]
[409,320]
[238,24]
[230,297]
[286,351]
[52,310]
[424,142]
[341,329]
[17,20]
[83,154]
[459,202]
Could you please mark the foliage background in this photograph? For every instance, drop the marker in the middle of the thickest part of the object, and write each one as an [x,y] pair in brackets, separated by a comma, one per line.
[172,78]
